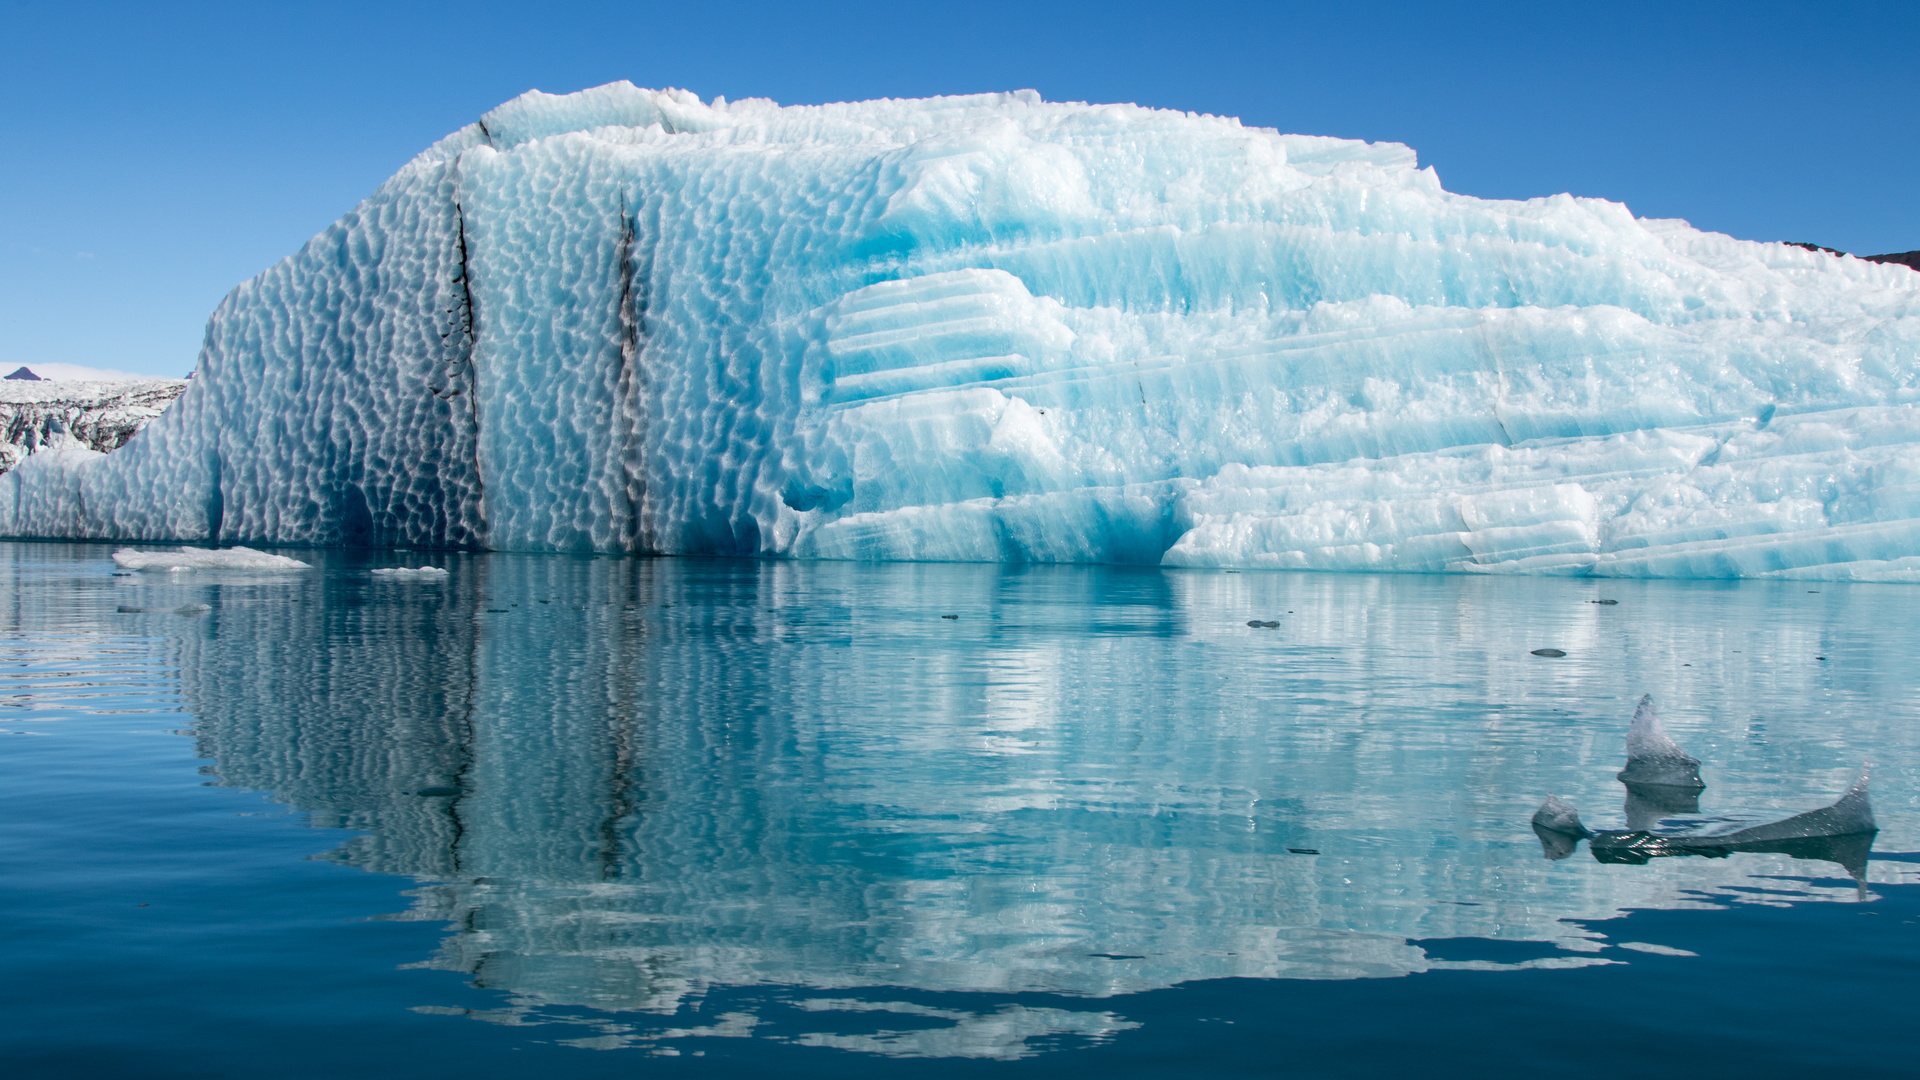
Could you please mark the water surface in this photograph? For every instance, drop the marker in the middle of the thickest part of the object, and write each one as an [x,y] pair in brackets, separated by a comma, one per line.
[724,816]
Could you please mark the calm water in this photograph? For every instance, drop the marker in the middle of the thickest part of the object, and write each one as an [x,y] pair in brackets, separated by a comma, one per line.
[590,816]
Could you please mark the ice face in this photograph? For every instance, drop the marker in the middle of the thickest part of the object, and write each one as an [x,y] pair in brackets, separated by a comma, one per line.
[996,328]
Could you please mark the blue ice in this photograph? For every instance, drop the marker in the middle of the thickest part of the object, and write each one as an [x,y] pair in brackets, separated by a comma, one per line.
[999,328]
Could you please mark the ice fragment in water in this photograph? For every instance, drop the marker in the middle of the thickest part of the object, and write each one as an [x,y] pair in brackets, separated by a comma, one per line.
[413,573]
[1663,817]
[184,559]
[993,328]
[1652,755]
[1559,816]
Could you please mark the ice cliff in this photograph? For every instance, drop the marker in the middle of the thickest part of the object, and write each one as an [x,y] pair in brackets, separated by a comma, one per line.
[997,328]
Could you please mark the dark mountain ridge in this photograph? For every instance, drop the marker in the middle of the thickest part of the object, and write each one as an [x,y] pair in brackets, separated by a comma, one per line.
[1904,258]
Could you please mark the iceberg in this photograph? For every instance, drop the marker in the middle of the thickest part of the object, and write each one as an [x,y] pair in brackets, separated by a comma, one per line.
[997,328]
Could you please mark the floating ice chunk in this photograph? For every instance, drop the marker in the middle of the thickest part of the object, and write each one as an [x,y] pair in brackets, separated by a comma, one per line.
[1559,816]
[184,559]
[1558,826]
[1850,815]
[1652,755]
[1663,819]
[411,573]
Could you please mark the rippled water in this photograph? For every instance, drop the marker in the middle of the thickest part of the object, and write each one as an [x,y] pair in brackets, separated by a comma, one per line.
[720,816]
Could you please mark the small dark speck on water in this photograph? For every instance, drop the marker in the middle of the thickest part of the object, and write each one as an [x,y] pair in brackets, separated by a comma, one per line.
[1819,658]
[496,611]
[1116,956]
[432,792]
[1609,603]
[950,616]
[1259,624]
[1548,652]
[1304,850]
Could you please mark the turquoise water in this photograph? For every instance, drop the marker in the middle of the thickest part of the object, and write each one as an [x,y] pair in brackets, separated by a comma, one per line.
[598,815]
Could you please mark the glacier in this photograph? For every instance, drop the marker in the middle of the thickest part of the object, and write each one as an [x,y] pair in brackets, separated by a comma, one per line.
[52,412]
[998,328]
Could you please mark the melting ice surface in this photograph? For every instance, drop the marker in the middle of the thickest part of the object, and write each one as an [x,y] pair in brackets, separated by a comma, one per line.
[786,808]
[994,328]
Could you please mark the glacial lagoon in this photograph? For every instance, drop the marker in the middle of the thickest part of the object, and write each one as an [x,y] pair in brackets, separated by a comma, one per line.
[611,816]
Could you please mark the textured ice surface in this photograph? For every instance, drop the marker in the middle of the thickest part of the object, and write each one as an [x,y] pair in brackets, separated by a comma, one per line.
[236,558]
[996,328]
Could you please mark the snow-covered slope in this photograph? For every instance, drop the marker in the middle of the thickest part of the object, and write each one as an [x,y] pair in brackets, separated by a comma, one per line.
[998,328]
[98,415]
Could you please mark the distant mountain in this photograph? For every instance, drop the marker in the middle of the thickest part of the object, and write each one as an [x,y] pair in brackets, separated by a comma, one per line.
[1904,258]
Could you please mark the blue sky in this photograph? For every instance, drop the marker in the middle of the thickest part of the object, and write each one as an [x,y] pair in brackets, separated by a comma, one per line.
[152,156]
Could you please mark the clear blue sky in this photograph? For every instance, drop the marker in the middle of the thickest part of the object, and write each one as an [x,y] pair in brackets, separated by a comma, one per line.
[152,156]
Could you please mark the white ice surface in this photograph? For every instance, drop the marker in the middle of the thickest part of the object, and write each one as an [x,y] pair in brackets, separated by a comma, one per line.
[234,558]
[997,328]
[412,573]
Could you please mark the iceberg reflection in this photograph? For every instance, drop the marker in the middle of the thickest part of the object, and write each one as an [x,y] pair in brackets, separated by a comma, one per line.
[626,785]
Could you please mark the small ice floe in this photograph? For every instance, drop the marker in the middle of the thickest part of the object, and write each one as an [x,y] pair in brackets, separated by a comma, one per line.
[1664,819]
[411,573]
[185,559]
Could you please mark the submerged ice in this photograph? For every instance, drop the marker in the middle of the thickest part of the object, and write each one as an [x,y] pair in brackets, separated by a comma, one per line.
[997,328]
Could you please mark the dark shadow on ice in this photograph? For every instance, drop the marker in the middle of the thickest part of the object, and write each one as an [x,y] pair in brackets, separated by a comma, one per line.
[1663,815]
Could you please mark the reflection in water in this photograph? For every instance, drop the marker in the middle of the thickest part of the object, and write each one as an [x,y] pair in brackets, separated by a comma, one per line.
[625,784]
[1663,814]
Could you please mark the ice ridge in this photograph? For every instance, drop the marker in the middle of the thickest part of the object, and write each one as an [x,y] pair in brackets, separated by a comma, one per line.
[999,328]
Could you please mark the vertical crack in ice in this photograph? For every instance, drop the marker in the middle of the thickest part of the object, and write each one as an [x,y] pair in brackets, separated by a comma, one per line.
[456,378]
[636,284]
